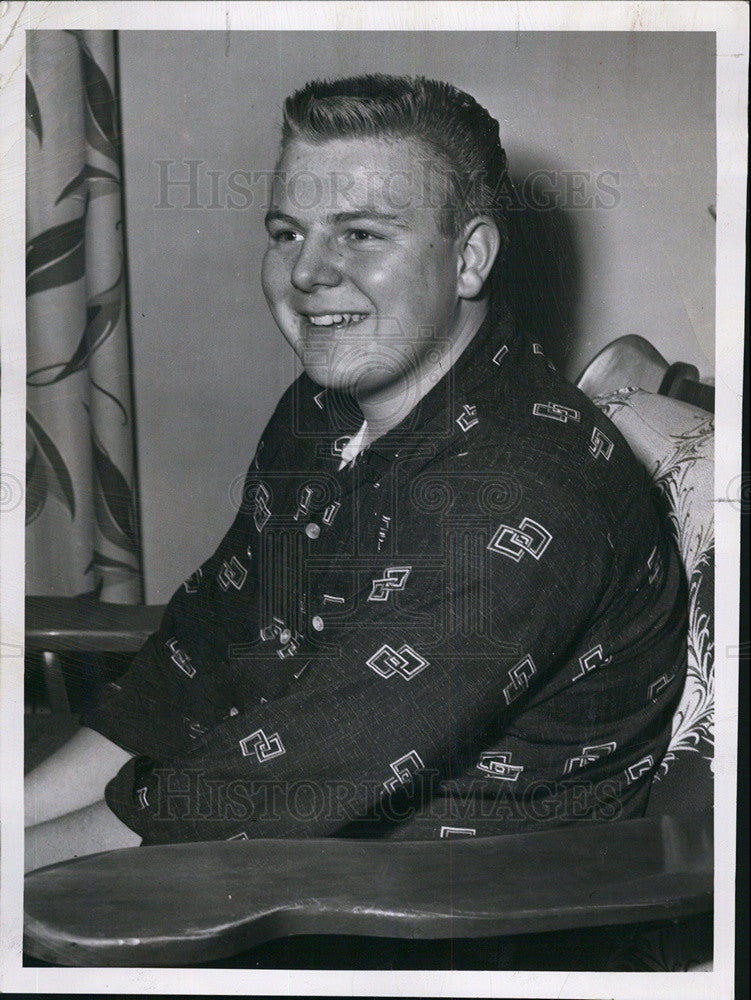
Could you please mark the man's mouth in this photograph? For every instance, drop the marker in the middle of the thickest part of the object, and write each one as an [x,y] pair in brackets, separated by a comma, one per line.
[329,320]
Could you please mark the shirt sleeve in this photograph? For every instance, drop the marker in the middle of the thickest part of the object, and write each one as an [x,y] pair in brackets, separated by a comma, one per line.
[180,685]
[433,652]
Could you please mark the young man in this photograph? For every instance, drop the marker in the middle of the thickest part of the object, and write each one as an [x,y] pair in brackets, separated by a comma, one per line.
[447,604]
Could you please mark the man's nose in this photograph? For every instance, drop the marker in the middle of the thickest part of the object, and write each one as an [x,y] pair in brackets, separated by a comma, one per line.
[316,264]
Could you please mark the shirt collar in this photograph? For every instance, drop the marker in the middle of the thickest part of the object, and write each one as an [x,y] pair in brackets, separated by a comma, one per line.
[486,356]
[337,416]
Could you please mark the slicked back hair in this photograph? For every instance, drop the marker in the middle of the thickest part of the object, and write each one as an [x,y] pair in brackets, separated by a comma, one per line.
[459,137]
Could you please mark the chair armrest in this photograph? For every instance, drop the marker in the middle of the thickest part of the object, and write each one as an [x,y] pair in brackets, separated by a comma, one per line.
[681,382]
[186,903]
[83,624]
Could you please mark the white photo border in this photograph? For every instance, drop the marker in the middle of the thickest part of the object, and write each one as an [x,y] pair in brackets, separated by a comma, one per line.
[730,21]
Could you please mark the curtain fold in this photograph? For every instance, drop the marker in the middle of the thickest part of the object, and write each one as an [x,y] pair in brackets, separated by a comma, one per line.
[81,514]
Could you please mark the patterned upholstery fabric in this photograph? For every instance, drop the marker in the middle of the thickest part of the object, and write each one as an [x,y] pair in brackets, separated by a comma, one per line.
[675,441]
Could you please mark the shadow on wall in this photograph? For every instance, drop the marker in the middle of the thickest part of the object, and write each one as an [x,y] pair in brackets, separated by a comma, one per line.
[542,273]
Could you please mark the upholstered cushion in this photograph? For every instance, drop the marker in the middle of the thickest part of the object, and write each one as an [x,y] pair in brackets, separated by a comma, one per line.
[675,442]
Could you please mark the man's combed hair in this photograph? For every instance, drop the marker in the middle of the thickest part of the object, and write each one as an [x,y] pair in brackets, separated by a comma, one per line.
[459,137]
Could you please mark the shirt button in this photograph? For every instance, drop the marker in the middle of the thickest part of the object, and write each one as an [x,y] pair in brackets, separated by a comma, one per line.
[317,623]
[312,530]
[285,636]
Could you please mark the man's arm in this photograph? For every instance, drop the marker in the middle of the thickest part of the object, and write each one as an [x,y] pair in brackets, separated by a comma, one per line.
[72,778]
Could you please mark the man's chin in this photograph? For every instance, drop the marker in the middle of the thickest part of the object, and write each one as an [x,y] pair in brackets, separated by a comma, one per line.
[327,379]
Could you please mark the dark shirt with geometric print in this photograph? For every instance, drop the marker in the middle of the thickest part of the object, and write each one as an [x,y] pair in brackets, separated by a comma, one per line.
[477,626]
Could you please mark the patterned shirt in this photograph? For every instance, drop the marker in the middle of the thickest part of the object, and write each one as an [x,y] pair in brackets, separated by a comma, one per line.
[476,626]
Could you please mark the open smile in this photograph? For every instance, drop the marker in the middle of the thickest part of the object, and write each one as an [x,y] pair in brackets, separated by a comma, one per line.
[329,320]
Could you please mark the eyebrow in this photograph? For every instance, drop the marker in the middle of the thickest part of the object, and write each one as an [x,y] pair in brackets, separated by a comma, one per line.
[368,214]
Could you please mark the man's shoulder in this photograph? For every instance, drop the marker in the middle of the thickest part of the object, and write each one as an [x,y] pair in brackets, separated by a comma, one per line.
[534,402]
[538,427]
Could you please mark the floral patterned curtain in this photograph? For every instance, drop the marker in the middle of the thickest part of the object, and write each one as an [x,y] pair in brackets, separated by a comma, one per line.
[82,532]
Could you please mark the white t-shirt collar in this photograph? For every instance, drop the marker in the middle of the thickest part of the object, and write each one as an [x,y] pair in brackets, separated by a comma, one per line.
[353,447]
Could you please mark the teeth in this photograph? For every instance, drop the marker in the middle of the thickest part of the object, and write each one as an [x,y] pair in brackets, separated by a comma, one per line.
[337,319]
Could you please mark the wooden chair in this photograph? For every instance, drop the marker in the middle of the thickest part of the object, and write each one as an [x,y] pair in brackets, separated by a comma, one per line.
[189,903]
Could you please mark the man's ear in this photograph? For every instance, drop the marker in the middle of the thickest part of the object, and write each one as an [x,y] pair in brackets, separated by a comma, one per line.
[478,248]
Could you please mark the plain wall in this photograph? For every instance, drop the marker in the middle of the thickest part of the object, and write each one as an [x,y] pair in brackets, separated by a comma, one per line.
[209,364]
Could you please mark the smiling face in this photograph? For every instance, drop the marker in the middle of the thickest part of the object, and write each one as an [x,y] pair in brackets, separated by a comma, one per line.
[356,273]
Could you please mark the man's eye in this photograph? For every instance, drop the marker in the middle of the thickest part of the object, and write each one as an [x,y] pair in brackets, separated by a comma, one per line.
[361,236]
[284,235]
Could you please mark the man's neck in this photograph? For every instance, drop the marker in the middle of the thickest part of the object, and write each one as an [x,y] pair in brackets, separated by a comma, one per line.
[386,409]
